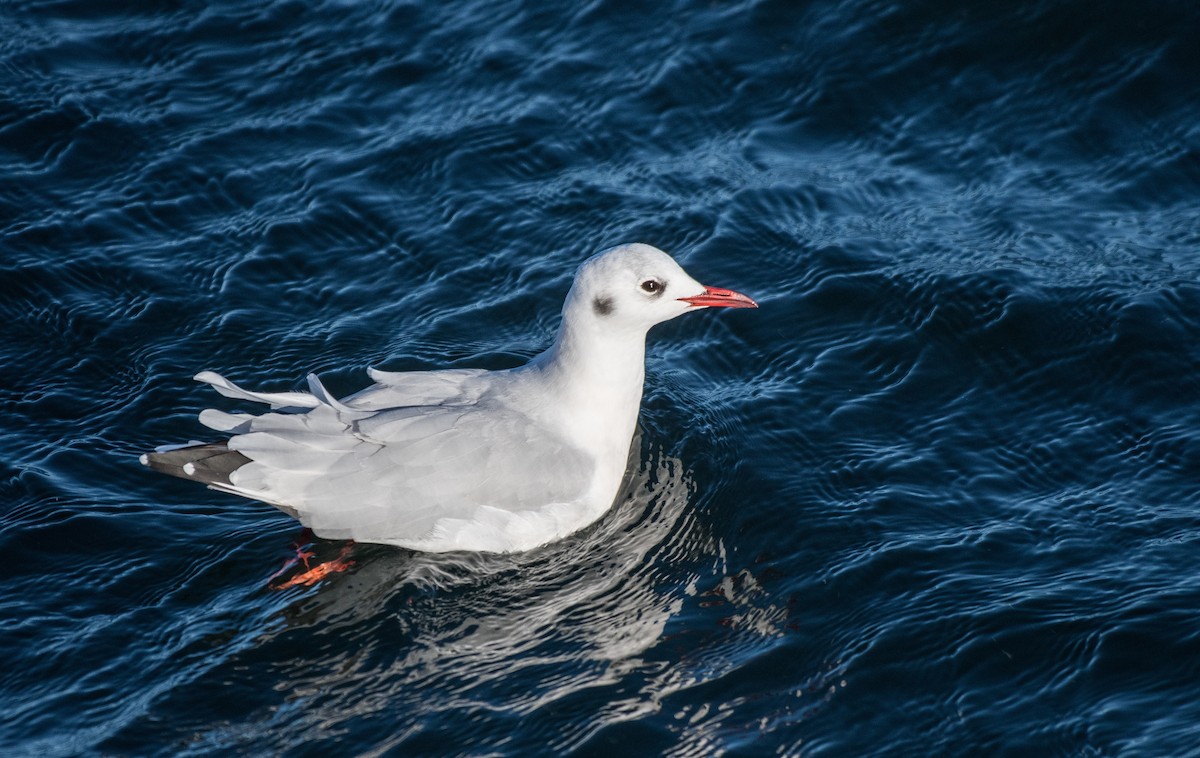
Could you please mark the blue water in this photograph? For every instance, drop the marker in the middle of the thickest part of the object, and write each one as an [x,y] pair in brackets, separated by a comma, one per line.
[940,495]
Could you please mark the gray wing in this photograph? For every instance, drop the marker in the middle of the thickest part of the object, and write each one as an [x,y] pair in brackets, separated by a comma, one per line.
[411,388]
[402,475]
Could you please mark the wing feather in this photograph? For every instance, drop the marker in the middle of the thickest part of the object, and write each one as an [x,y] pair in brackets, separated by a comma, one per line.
[428,476]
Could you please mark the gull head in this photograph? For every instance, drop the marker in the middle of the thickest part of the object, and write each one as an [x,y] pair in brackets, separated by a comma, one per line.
[635,286]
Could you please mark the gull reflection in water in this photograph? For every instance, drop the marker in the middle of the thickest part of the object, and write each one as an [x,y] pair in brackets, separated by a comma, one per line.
[420,634]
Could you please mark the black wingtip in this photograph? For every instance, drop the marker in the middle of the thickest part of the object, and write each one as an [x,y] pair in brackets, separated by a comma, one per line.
[205,463]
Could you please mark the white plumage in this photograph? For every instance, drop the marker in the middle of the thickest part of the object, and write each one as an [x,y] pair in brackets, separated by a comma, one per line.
[494,461]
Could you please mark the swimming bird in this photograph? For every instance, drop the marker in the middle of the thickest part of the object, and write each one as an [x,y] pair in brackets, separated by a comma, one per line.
[462,459]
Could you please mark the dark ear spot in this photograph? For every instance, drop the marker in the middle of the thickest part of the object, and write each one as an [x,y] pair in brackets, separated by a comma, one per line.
[603,306]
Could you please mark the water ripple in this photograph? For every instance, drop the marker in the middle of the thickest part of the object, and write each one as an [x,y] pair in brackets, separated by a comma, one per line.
[936,495]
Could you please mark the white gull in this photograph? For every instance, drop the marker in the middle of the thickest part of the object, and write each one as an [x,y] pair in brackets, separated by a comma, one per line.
[462,459]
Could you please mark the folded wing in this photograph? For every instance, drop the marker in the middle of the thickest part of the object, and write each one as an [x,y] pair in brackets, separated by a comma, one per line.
[433,476]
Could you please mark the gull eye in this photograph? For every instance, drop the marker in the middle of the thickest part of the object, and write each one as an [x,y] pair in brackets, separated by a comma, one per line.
[653,286]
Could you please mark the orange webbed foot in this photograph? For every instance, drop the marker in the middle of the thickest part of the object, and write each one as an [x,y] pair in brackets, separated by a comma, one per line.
[312,573]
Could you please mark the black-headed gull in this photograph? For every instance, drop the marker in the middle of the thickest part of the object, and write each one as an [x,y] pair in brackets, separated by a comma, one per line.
[462,459]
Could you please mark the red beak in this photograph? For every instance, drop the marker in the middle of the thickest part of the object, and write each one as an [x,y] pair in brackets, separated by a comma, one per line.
[715,297]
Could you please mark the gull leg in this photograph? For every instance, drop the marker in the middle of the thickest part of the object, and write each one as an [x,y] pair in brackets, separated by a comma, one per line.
[312,573]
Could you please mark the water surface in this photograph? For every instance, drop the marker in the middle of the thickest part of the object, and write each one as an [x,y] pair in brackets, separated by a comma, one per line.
[939,495]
